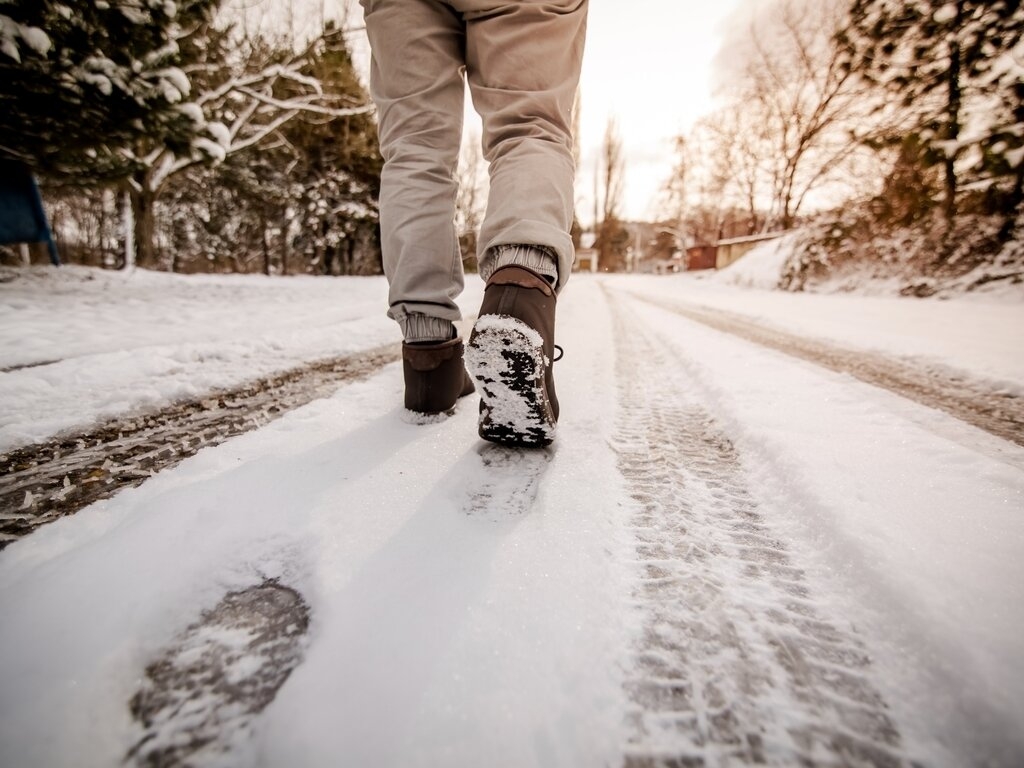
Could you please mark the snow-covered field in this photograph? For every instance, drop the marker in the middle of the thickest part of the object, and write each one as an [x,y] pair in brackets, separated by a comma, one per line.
[712,515]
[114,343]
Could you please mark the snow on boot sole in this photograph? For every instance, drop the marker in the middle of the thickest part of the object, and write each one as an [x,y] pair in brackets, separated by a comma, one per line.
[505,357]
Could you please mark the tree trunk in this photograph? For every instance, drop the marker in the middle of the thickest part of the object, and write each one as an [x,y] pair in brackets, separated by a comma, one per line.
[752,212]
[350,255]
[102,243]
[953,126]
[145,227]
[128,214]
[1016,197]
[267,268]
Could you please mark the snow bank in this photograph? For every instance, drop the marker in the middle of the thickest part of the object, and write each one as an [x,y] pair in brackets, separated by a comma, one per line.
[761,267]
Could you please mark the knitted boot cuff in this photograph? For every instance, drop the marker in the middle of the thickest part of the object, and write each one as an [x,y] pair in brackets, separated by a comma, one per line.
[536,258]
[417,327]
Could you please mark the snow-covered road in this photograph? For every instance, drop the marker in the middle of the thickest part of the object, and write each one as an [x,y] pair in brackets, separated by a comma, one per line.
[730,556]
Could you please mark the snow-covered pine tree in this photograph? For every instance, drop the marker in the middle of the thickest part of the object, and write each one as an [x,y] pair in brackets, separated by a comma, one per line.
[958,67]
[138,91]
[307,200]
[248,91]
[335,170]
[82,81]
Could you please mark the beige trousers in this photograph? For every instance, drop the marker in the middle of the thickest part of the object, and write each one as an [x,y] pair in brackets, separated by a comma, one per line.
[522,62]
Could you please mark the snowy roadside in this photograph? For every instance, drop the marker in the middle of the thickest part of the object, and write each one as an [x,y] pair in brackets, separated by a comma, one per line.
[48,480]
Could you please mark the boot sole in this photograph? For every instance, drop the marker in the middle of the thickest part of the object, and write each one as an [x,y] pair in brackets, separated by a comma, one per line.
[505,357]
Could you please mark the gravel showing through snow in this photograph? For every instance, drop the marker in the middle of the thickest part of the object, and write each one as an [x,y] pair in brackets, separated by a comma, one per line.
[45,481]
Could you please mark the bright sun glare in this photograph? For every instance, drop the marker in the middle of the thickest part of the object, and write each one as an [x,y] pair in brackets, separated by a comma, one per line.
[650,64]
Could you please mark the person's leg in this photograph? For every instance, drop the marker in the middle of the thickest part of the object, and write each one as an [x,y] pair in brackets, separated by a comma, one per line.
[523,66]
[417,84]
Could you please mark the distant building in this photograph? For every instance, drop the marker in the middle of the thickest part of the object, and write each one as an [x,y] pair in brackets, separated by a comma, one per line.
[701,257]
[586,260]
[665,266]
[654,248]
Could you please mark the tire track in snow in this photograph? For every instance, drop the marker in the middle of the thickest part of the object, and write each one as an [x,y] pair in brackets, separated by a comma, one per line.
[44,482]
[738,663]
[979,403]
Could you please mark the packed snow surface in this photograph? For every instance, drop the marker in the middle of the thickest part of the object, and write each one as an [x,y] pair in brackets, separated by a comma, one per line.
[471,611]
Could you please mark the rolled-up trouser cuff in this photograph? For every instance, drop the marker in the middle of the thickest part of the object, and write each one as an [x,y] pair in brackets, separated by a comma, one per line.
[536,258]
[531,203]
[419,327]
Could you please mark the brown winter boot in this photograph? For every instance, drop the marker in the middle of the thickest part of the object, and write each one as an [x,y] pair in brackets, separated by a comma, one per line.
[434,376]
[509,355]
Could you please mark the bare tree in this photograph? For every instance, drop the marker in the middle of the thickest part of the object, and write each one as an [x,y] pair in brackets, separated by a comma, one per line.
[471,199]
[612,171]
[700,189]
[796,108]
[790,124]
[673,202]
[811,104]
[736,142]
[609,183]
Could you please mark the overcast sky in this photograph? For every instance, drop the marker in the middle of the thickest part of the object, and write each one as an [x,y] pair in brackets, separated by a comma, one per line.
[648,62]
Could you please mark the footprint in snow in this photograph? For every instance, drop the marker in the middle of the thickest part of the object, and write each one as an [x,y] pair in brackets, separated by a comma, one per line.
[199,698]
[506,481]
